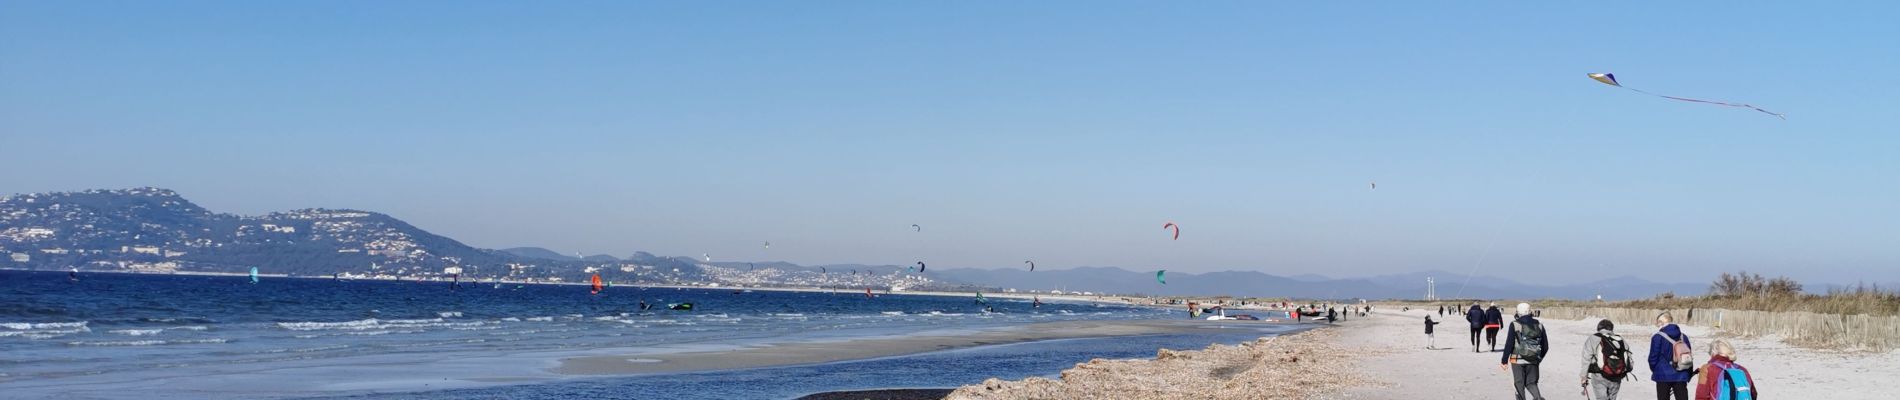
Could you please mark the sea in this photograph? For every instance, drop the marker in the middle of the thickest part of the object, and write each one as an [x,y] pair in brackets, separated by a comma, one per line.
[189,336]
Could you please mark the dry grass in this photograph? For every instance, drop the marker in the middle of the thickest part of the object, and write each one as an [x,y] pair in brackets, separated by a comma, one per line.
[1801,328]
[1863,318]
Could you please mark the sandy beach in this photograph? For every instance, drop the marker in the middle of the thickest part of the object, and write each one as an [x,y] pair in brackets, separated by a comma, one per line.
[1399,366]
[1384,356]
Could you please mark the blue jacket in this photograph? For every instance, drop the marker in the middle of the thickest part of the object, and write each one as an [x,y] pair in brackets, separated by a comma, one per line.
[1510,340]
[1660,352]
[1475,316]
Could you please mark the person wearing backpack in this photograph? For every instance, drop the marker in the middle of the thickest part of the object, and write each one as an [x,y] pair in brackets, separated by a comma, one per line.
[1525,345]
[1671,360]
[1606,361]
[1722,378]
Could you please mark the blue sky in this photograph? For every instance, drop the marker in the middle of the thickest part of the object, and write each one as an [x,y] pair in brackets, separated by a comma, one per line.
[1064,132]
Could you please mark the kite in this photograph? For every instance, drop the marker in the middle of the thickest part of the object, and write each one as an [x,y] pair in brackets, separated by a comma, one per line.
[1161,276]
[918,228]
[1032,265]
[707,256]
[1610,79]
[1177,229]
[1375,185]
[768,245]
[920,266]
[822,270]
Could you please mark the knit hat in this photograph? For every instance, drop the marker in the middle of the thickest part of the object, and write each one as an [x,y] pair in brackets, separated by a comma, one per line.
[1605,325]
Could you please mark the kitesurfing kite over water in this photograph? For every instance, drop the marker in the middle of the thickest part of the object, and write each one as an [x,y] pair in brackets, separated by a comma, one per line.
[918,228]
[1161,276]
[1610,79]
[1177,229]
[920,266]
[1032,265]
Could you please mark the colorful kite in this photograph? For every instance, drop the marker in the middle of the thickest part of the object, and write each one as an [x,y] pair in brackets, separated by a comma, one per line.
[1610,79]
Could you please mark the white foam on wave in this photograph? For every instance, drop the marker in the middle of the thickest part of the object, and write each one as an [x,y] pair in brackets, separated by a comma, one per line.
[540,319]
[450,314]
[189,328]
[136,332]
[785,314]
[511,319]
[145,342]
[27,326]
[373,324]
[892,313]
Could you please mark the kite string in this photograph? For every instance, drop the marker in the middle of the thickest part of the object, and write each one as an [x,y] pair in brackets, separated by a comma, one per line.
[1493,241]
[1742,105]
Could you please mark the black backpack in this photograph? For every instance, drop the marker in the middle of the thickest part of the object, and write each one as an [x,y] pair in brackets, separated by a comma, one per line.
[1612,359]
[1529,342]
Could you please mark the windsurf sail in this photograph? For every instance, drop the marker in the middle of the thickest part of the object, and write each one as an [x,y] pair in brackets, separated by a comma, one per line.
[980,299]
[681,306]
[253,275]
[597,285]
[868,295]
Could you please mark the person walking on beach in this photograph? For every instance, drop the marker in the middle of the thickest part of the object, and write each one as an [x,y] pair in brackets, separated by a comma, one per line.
[1430,342]
[1441,310]
[1525,345]
[1493,321]
[1722,378]
[1330,316]
[1606,360]
[1671,360]
[1475,317]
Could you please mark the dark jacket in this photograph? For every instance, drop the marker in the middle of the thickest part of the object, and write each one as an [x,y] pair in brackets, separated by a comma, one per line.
[1494,316]
[1475,316]
[1510,339]
[1661,369]
[1428,324]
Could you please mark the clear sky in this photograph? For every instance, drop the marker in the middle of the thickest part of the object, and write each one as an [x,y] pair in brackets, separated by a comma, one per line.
[1064,132]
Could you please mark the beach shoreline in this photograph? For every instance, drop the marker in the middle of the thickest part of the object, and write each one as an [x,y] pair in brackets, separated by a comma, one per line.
[777,354]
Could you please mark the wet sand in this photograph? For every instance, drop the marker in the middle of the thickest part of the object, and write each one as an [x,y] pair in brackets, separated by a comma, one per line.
[812,352]
[883,394]
[1303,365]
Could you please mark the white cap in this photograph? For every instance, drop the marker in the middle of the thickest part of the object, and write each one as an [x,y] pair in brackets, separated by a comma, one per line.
[1523,308]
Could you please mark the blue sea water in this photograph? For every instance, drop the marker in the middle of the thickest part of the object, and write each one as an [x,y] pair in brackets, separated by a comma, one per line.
[138,336]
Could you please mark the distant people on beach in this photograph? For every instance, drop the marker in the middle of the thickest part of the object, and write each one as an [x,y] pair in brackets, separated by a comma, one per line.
[1493,321]
[1671,359]
[1722,378]
[1430,342]
[1441,310]
[1525,345]
[1330,316]
[1606,361]
[1475,317]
